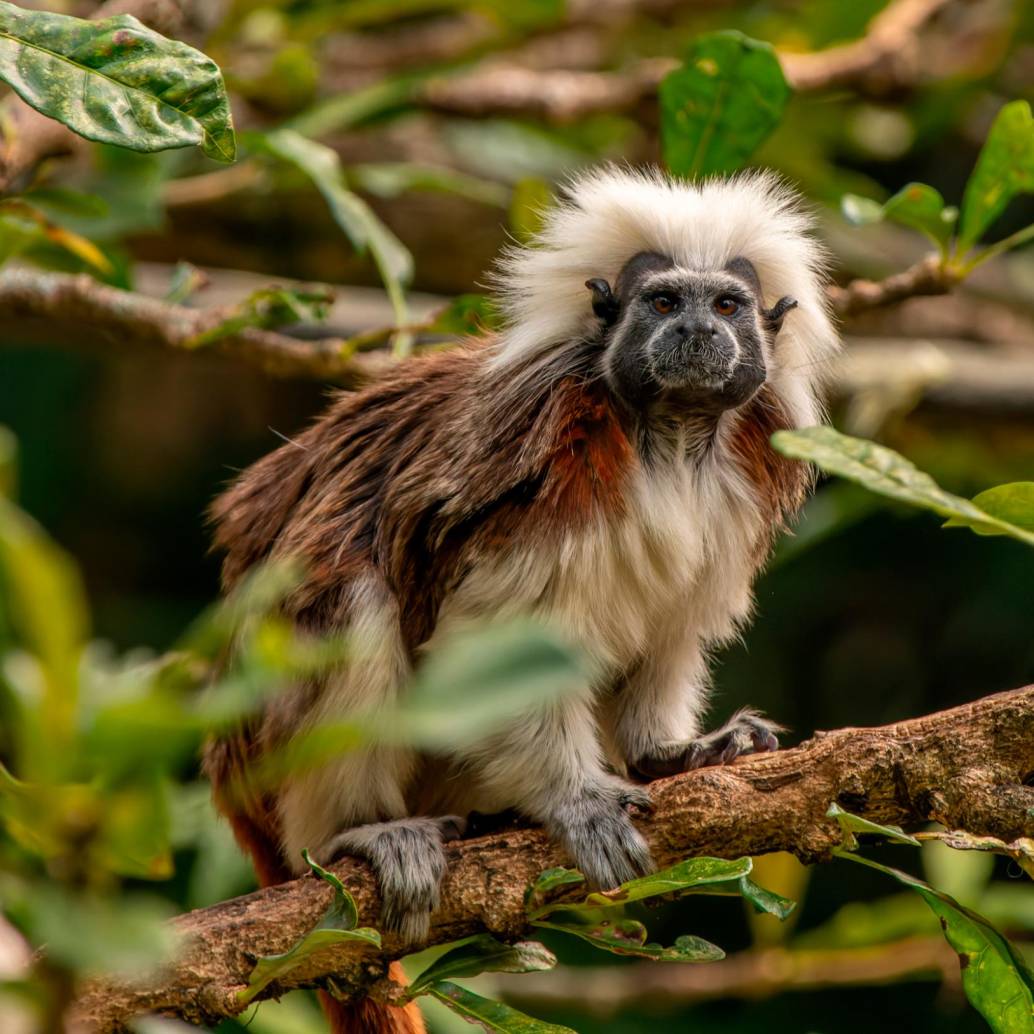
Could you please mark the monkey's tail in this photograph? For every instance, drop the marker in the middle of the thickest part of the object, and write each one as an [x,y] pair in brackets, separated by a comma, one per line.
[369,1017]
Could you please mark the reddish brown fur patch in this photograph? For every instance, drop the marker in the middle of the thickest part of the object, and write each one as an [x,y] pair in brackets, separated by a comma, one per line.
[781,483]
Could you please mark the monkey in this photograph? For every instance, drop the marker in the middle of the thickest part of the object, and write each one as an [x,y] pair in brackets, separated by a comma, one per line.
[602,464]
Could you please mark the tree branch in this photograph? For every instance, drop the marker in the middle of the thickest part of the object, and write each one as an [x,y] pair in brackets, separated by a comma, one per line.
[888,57]
[969,768]
[56,308]
[926,277]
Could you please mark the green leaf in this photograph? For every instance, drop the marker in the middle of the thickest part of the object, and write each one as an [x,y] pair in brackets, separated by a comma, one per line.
[267,308]
[45,598]
[727,97]
[484,954]
[366,232]
[1012,503]
[389,179]
[1004,169]
[851,824]
[338,925]
[621,936]
[916,205]
[8,463]
[478,680]
[547,881]
[995,976]
[116,81]
[488,1014]
[886,472]
[467,315]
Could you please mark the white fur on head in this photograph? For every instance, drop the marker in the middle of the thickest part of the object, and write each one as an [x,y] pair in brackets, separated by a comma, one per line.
[611,214]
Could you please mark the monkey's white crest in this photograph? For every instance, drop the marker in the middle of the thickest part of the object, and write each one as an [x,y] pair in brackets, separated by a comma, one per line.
[609,215]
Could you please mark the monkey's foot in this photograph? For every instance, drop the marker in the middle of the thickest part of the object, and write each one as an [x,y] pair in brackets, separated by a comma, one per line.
[746,732]
[597,832]
[409,861]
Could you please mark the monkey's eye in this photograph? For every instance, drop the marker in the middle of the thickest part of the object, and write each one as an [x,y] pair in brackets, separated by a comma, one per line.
[726,306]
[664,303]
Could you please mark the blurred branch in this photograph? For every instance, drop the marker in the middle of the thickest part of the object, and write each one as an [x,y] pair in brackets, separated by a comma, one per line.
[30,138]
[889,57]
[606,990]
[928,276]
[61,309]
[967,768]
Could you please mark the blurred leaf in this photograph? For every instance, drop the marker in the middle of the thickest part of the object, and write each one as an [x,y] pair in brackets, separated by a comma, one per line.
[916,205]
[8,463]
[789,878]
[489,1014]
[185,282]
[964,874]
[84,250]
[973,851]
[1004,169]
[389,179]
[467,315]
[851,824]
[477,680]
[268,308]
[116,81]
[44,596]
[532,199]
[726,98]
[622,936]
[66,202]
[484,954]
[339,924]
[125,935]
[886,472]
[511,151]
[995,976]
[322,165]
[527,14]
[1012,503]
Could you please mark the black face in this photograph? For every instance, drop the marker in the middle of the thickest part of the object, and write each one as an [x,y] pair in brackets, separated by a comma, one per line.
[696,341]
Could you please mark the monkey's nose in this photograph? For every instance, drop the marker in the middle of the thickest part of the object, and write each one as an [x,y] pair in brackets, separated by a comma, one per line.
[698,330]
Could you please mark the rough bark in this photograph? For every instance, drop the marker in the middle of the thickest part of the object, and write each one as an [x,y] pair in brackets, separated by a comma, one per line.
[969,768]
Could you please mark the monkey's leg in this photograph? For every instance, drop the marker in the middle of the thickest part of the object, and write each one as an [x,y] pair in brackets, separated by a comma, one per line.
[657,718]
[548,764]
[409,862]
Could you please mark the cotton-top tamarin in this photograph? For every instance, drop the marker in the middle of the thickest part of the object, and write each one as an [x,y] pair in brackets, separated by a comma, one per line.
[603,465]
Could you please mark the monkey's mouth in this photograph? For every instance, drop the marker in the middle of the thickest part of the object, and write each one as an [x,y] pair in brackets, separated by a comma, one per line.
[702,373]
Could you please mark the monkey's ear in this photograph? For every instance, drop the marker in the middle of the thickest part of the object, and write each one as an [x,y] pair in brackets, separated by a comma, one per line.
[774,317]
[604,304]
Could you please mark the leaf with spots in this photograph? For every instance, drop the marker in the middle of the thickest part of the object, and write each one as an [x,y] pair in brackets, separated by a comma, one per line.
[116,81]
[340,923]
[717,108]
[995,976]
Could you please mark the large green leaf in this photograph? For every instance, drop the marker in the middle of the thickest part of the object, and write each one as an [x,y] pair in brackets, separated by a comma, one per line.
[488,1014]
[1004,169]
[338,925]
[484,954]
[995,976]
[116,81]
[724,100]
[366,232]
[482,678]
[884,471]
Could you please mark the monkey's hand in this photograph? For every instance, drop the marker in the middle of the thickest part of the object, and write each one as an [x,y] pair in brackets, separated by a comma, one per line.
[746,732]
[595,828]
